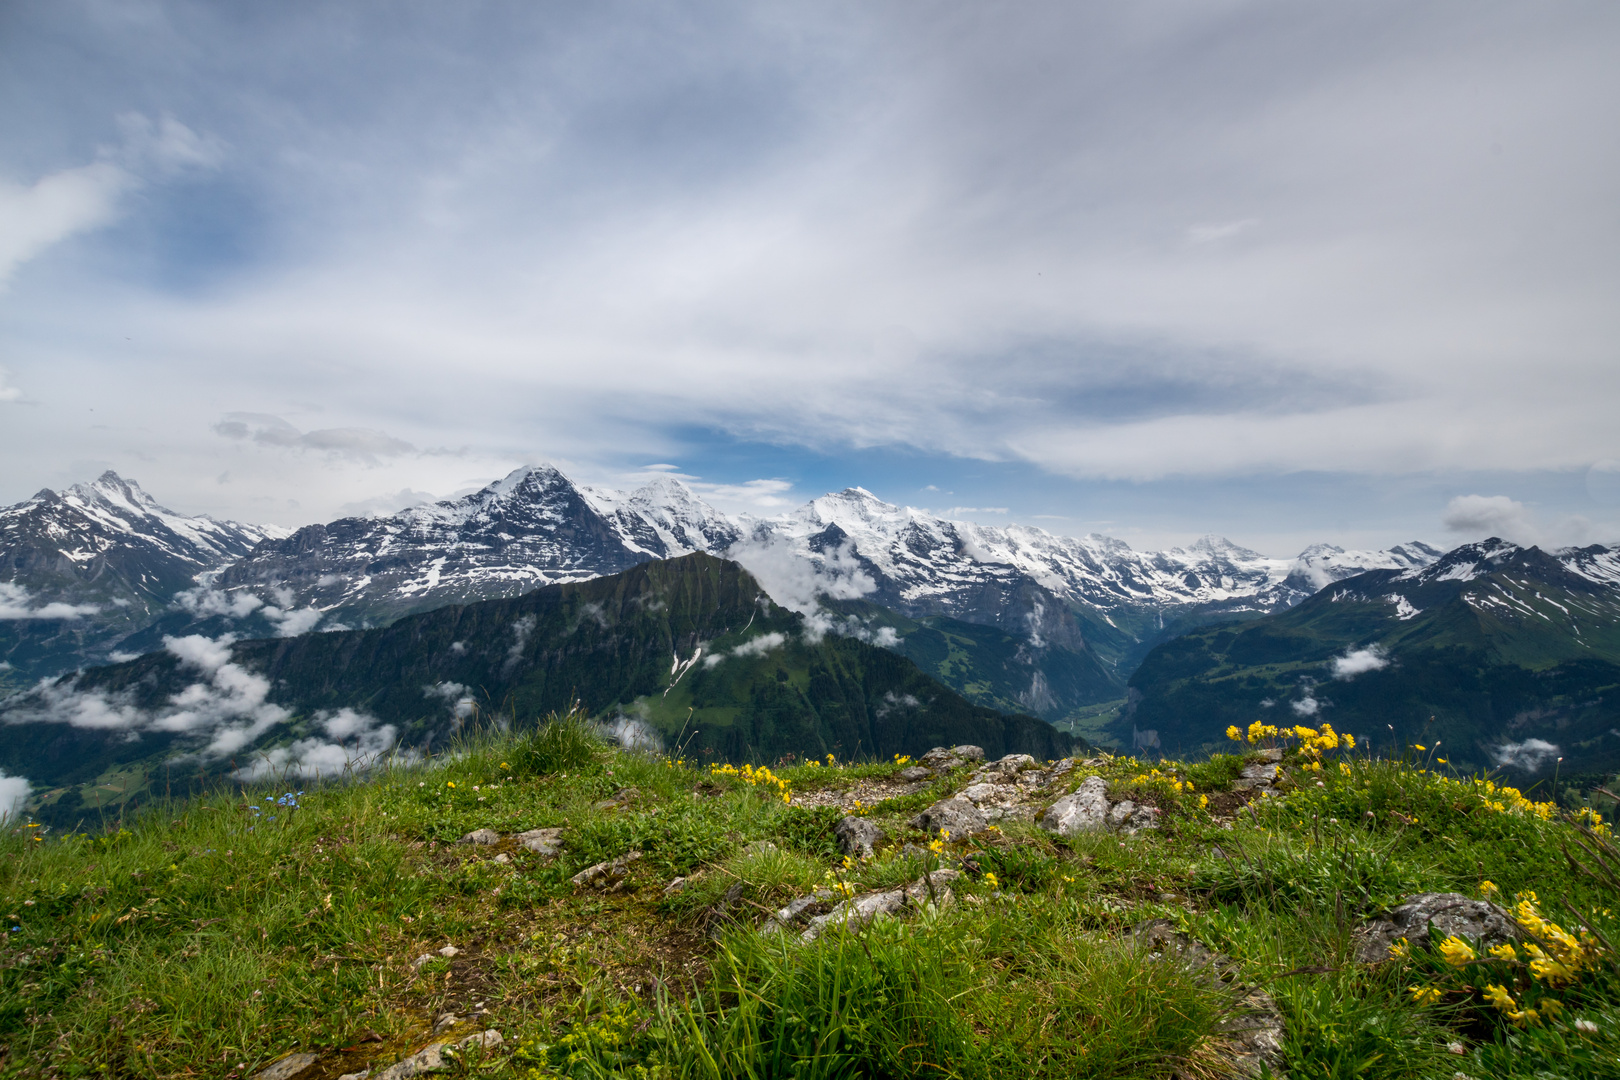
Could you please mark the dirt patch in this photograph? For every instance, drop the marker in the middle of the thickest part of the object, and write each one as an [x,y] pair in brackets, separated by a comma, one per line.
[865,792]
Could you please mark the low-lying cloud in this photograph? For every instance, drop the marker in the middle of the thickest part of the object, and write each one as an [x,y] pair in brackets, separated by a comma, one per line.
[283,616]
[757,646]
[14,792]
[1359,662]
[363,445]
[1529,755]
[1491,515]
[356,742]
[16,604]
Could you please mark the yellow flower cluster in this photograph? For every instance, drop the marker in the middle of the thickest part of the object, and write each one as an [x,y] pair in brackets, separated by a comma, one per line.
[760,777]
[1170,779]
[902,759]
[1312,741]
[1504,800]
[1564,957]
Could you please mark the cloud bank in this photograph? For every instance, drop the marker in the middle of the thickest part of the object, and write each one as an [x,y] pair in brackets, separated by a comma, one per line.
[1359,662]
[16,605]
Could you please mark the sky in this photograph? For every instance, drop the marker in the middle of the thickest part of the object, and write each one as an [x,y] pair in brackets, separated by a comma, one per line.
[1286,273]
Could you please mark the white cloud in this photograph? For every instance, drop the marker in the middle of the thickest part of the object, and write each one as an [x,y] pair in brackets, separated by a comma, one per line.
[55,207]
[7,391]
[1359,661]
[356,742]
[755,646]
[14,792]
[1529,755]
[205,601]
[1306,706]
[15,606]
[1491,515]
[458,697]
[362,445]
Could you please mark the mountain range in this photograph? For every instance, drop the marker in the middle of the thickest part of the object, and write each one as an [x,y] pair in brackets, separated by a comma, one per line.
[1062,605]
[1500,655]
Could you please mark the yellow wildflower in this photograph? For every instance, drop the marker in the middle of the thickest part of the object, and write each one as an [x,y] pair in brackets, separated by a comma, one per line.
[1424,995]
[991,880]
[1349,741]
[1489,890]
[1420,746]
[1551,1006]
[1504,952]
[1234,733]
[1401,950]
[1203,802]
[1499,997]
[1456,951]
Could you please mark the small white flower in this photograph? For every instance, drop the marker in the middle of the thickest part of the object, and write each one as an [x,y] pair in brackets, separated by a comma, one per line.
[1586,1026]
[1456,1048]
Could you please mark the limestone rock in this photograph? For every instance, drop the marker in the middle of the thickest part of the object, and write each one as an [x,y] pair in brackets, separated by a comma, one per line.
[1086,810]
[856,835]
[481,836]
[543,842]
[361,1075]
[612,871]
[857,911]
[1255,777]
[503,858]
[437,1056]
[676,887]
[955,815]
[287,1068]
[915,773]
[449,951]
[1480,921]
[816,903]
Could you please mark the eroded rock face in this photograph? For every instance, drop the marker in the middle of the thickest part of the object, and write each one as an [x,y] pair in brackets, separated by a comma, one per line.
[1453,914]
[916,773]
[942,758]
[856,835]
[955,815]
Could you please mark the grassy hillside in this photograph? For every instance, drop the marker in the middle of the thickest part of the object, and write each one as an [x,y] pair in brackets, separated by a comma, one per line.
[213,937]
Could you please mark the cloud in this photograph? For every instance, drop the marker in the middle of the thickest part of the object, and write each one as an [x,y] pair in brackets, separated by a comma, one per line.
[1307,705]
[228,708]
[15,601]
[356,742]
[631,732]
[361,445]
[286,620]
[1359,661]
[1209,234]
[1529,755]
[14,792]
[7,391]
[458,697]
[1490,515]
[755,646]
[55,207]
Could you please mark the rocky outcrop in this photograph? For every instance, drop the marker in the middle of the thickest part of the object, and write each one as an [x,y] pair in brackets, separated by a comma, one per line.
[856,835]
[955,816]
[931,888]
[1481,922]
[440,1057]
[610,872]
[1088,809]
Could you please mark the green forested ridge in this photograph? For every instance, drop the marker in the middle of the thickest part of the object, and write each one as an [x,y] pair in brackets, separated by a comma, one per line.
[1522,649]
[611,644]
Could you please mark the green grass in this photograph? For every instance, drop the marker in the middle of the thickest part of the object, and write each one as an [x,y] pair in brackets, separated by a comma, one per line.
[210,937]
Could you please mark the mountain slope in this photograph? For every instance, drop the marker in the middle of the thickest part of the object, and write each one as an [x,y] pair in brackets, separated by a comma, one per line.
[82,568]
[682,648]
[1514,652]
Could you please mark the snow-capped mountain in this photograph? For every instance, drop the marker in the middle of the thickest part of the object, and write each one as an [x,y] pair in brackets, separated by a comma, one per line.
[534,527]
[1023,578]
[81,567]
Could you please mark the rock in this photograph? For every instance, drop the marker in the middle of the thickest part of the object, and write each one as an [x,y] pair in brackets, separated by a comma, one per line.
[481,836]
[954,815]
[287,1068]
[1086,810]
[814,904]
[503,858]
[361,1075]
[1127,817]
[933,888]
[1005,770]
[1255,776]
[941,758]
[622,797]
[448,951]
[435,1057]
[1483,923]
[968,753]
[760,847]
[856,835]
[1061,768]
[614,870]
[676,887]
[1255,1026]
[420,960]
[444,1021]
[1271,754]
[915,773]
[543,842]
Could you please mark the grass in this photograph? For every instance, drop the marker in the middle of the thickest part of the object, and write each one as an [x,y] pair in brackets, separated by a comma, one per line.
[211,937]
